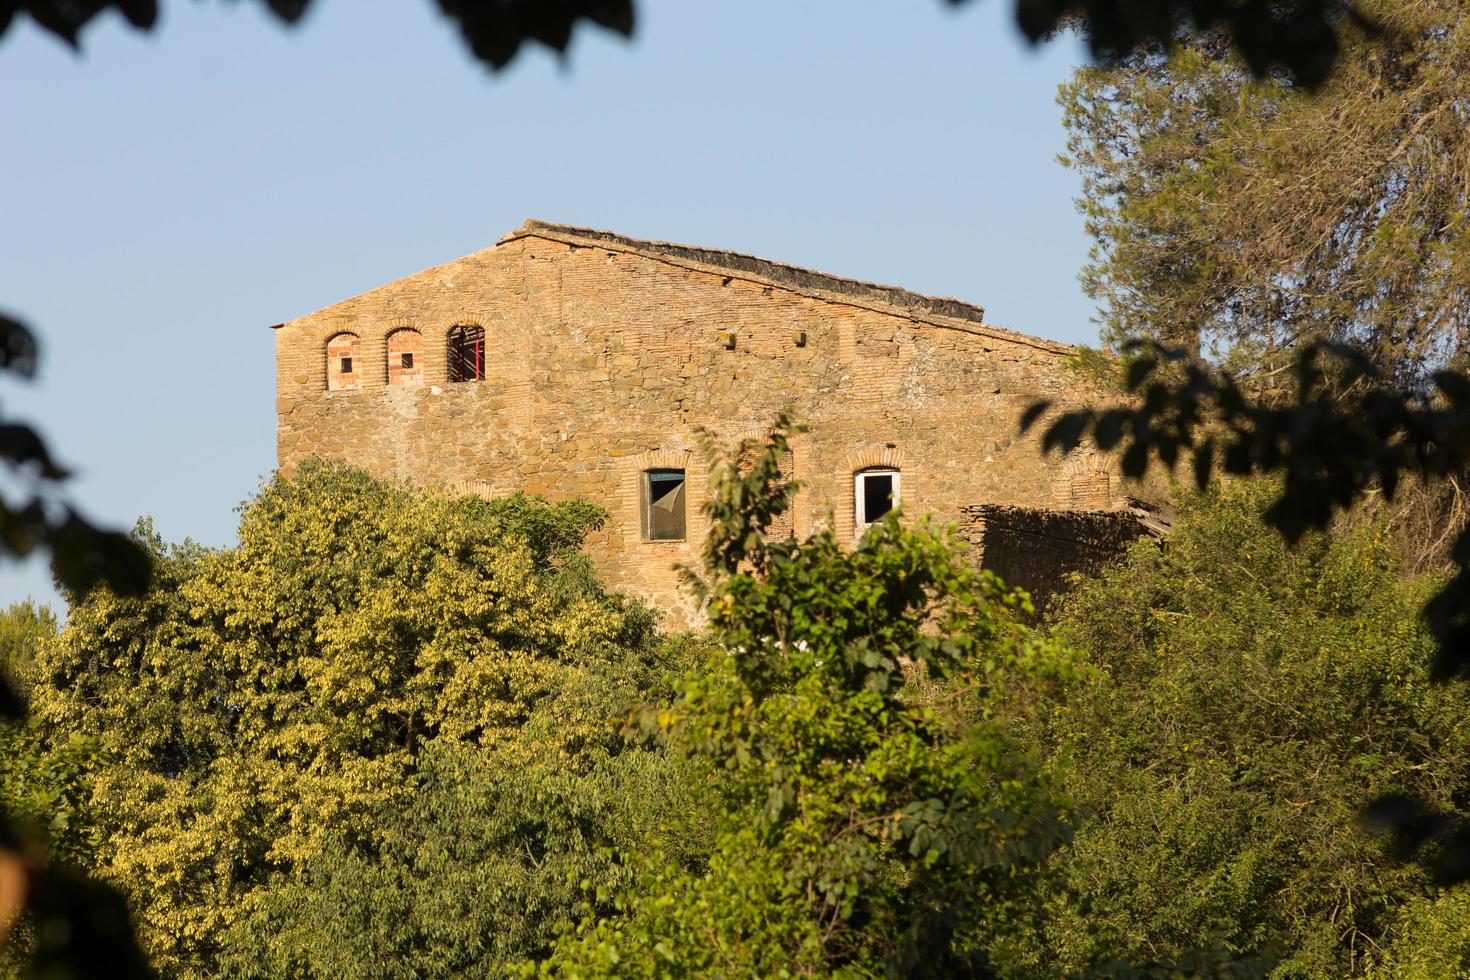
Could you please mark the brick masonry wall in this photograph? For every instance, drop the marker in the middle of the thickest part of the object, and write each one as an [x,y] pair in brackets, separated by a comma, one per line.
[1041,550]
[604,360]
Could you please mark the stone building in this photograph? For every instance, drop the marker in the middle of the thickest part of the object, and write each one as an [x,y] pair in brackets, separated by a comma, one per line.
[578,363]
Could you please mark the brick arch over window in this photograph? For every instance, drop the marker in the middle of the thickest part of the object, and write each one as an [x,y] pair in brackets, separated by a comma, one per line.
[405,357]
[344,362]
[873,458]
[465,351]
[894,484]
[1085,480]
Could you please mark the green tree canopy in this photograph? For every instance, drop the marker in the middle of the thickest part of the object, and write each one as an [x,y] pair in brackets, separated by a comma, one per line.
[1249,698]
[1251,215]
[372,670]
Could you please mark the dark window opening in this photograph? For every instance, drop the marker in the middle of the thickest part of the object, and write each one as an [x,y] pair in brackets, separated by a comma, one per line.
[877,494]
[406,361]
[346,365]
[663,505]
[467,353]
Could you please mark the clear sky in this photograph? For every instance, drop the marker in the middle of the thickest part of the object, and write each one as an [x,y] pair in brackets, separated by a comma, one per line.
[168,196]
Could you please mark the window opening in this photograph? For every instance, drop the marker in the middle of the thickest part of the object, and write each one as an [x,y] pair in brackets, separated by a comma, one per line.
[875,493]
[663,505]
[404,346]
[467,353]
[341,369]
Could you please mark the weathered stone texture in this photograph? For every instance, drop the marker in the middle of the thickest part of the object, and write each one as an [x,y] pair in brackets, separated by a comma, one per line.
[1041,550]
[605,355]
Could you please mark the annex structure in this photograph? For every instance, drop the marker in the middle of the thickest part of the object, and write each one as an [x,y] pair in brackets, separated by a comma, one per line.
[577,363]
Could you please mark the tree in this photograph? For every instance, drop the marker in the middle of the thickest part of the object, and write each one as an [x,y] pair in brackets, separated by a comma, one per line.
[1346,431]
[284,722]
[880,816]
[1248,698]
[1248,217]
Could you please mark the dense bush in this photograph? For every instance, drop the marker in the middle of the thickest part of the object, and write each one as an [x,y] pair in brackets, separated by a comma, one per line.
[1250,698]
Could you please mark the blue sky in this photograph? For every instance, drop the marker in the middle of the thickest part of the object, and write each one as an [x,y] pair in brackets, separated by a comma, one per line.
[169,196]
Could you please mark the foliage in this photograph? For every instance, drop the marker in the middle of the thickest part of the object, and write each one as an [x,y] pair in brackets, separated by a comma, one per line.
[286,719]
[1432,939]
[502,848]
[1345,433]
[42,791]
[1300,37]
[494,30]
[880,817]
[23,626]
[1249,696]
[1259,217]
[1347,430]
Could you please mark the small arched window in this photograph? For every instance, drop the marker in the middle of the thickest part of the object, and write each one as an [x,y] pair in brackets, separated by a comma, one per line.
[344,367]
[466,351]
[405,357]
[874,493]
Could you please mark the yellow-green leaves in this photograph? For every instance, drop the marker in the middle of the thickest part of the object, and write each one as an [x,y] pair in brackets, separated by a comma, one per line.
[386,709]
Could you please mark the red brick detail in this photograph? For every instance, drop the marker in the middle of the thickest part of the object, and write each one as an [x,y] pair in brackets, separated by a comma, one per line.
[405,357]
[344,363]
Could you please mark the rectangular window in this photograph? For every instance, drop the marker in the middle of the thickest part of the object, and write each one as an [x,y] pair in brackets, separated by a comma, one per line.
[346,365]
[663,505]
[875,493]
[407,361]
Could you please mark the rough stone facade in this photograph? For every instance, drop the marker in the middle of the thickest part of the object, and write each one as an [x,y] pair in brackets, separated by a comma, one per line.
[1041,550]
[604,355]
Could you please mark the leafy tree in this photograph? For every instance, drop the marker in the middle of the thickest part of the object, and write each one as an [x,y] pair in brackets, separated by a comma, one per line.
[880,816]
[1249,697]
[501,849]
[1345,432]
[1431,940]
[23,627]
[1254,217]
[288,719]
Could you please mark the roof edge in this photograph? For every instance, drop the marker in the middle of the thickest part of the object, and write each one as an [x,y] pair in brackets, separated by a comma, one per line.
[942,311]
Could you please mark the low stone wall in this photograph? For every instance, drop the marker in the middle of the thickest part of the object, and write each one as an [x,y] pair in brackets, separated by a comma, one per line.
[1039,550]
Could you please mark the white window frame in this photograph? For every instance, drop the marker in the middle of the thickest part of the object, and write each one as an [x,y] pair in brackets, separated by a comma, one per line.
[859,497]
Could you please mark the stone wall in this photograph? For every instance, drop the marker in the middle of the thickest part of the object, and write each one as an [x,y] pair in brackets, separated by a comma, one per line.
[605,356]
[1041,550]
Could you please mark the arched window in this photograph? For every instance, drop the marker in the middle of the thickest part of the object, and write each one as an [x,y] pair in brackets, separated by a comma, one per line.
[874,493]
[466,351]
[405,357]
[344,367]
